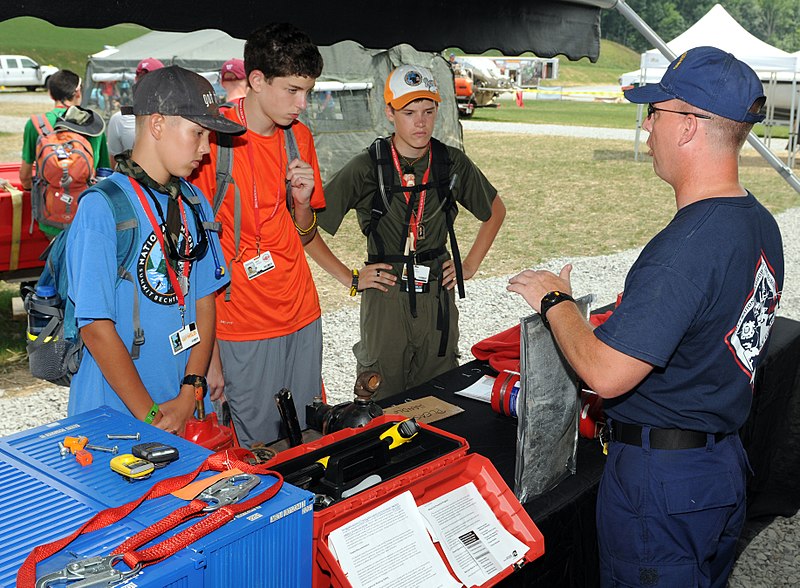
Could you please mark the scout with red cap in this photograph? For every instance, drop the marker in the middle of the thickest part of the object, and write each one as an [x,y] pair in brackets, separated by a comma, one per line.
[147,65]
[404,190]
[233,79]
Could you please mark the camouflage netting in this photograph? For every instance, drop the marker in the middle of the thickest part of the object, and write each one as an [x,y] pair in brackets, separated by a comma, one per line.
[343,121]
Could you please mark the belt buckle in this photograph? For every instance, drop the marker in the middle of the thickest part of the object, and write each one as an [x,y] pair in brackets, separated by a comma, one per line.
[604,436]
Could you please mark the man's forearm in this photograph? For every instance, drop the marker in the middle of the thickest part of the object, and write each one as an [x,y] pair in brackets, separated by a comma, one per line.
[605,370]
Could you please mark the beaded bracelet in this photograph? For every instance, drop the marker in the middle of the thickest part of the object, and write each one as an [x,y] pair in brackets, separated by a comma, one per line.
[303,232]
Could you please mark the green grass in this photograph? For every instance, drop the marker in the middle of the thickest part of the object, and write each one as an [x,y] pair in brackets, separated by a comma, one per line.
[12,331]
[562,112]
[65,48]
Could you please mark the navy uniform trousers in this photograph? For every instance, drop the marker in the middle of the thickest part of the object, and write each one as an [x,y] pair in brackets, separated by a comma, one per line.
[671,518]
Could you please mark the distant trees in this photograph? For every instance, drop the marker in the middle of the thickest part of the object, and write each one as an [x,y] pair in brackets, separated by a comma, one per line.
[775,21]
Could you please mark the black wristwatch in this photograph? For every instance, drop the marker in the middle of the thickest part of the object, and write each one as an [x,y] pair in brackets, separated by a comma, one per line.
[549,300]
[196,381]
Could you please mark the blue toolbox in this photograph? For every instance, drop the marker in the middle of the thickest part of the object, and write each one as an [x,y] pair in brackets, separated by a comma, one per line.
[45,496]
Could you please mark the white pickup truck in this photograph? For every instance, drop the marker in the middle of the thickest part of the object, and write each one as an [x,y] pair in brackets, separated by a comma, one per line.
[19,70]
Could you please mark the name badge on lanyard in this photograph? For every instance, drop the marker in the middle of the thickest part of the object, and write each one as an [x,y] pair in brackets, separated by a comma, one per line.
[184,338]
[258,265]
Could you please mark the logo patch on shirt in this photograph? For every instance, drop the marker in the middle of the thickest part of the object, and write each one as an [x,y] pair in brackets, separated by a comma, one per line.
[747,338]
[151,272]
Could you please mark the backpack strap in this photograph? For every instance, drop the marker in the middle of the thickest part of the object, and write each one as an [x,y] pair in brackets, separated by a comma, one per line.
[127,224]
[224,181]
[379,152]
[441,164]
[42,124]
[292,153]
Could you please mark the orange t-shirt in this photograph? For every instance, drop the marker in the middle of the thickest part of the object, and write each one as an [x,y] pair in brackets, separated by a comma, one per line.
[283,300]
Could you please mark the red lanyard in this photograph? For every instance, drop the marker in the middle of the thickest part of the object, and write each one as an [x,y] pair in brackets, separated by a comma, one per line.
[173,279]
[258,221]
[220,461]
[416,218]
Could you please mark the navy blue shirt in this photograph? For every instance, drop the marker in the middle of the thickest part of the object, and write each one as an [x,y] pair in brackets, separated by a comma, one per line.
[698,305]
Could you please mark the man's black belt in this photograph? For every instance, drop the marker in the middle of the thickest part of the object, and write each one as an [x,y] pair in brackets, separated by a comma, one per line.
[662,438]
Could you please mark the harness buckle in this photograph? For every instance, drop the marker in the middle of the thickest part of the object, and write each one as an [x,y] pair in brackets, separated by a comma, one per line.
[228,491]
[90,571]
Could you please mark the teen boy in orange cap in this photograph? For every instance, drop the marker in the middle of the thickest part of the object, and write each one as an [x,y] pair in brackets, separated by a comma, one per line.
[409,335]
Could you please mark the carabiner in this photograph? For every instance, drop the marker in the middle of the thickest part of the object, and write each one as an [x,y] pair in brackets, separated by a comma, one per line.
[88,572]
[228,491]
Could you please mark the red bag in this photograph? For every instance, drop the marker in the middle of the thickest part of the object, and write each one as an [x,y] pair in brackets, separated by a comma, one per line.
[20,250]
[64,169]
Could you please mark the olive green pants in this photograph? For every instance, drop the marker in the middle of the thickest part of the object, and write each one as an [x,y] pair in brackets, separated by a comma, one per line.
[404,349]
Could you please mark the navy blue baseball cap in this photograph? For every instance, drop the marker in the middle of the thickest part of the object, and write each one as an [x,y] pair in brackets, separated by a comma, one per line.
[710,79]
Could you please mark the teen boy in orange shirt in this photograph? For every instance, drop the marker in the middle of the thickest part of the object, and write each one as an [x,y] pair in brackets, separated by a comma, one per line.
[268,324]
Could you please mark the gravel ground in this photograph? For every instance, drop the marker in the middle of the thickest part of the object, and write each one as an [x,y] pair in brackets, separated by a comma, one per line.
[769,554]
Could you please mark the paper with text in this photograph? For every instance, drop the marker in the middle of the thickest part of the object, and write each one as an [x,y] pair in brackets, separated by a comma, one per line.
[476,545]
[389,547]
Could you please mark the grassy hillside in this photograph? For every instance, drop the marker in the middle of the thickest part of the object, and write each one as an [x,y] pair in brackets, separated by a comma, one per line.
[62,47]
[614,60]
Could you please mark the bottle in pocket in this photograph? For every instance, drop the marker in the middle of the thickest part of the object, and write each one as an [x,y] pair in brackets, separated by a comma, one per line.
[39,319]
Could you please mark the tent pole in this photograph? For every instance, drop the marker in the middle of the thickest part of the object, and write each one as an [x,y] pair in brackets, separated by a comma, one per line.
[783,170]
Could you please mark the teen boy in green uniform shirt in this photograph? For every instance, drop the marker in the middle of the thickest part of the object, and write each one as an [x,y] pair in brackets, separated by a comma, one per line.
[405,349]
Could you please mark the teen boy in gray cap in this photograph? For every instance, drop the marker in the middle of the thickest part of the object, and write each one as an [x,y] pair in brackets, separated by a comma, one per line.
[177,267]
[677,359]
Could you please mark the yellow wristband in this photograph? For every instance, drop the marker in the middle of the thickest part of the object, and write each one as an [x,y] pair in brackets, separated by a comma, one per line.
[354,284]
[313,225]
[152,414]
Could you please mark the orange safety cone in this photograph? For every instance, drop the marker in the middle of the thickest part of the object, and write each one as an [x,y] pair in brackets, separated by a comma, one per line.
[520,102]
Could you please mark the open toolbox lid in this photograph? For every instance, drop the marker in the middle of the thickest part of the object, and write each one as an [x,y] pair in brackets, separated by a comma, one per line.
[437,464]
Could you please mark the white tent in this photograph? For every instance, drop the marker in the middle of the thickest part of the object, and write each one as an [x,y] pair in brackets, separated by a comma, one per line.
[717,28]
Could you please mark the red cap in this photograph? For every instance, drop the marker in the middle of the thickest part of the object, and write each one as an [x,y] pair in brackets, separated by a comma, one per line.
[147,65]
[233,69]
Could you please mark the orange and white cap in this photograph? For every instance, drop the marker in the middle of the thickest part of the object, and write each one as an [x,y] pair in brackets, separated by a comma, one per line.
[407,83]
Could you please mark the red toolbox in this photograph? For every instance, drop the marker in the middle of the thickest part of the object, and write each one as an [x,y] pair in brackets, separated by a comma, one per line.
[429,466]
[20,248]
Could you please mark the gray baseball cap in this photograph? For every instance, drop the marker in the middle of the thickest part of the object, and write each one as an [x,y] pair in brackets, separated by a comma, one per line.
[175,91]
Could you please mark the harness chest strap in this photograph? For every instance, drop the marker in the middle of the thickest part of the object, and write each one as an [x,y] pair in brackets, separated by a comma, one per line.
[221,461]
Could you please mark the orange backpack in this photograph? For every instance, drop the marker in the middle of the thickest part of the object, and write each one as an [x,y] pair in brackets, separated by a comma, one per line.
[64,169]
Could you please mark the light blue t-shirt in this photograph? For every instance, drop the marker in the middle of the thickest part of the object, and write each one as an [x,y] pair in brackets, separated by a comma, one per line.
[92,271]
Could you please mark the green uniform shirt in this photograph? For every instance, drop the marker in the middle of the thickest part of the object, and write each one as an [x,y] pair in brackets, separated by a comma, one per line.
[353,188]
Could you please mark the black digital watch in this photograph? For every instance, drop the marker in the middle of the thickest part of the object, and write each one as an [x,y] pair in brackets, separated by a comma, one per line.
[549,300]
[196,381]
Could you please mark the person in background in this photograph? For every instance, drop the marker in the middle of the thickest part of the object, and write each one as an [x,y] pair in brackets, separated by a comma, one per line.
[269,326]
[409,340]
[64,88]
[233,79]
[122,127]
[676,362]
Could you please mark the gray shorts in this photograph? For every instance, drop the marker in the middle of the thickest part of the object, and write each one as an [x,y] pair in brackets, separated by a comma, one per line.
[257,370]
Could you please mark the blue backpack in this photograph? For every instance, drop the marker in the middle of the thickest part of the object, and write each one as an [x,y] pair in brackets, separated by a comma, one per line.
[54,354]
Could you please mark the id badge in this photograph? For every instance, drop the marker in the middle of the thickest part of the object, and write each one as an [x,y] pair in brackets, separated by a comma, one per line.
[422,274]
[184,338]
[258,265]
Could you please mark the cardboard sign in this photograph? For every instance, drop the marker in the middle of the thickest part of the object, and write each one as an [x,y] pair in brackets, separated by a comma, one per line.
[426,410]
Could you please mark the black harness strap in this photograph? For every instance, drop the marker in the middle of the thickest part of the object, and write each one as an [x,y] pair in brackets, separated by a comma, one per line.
[380,151]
